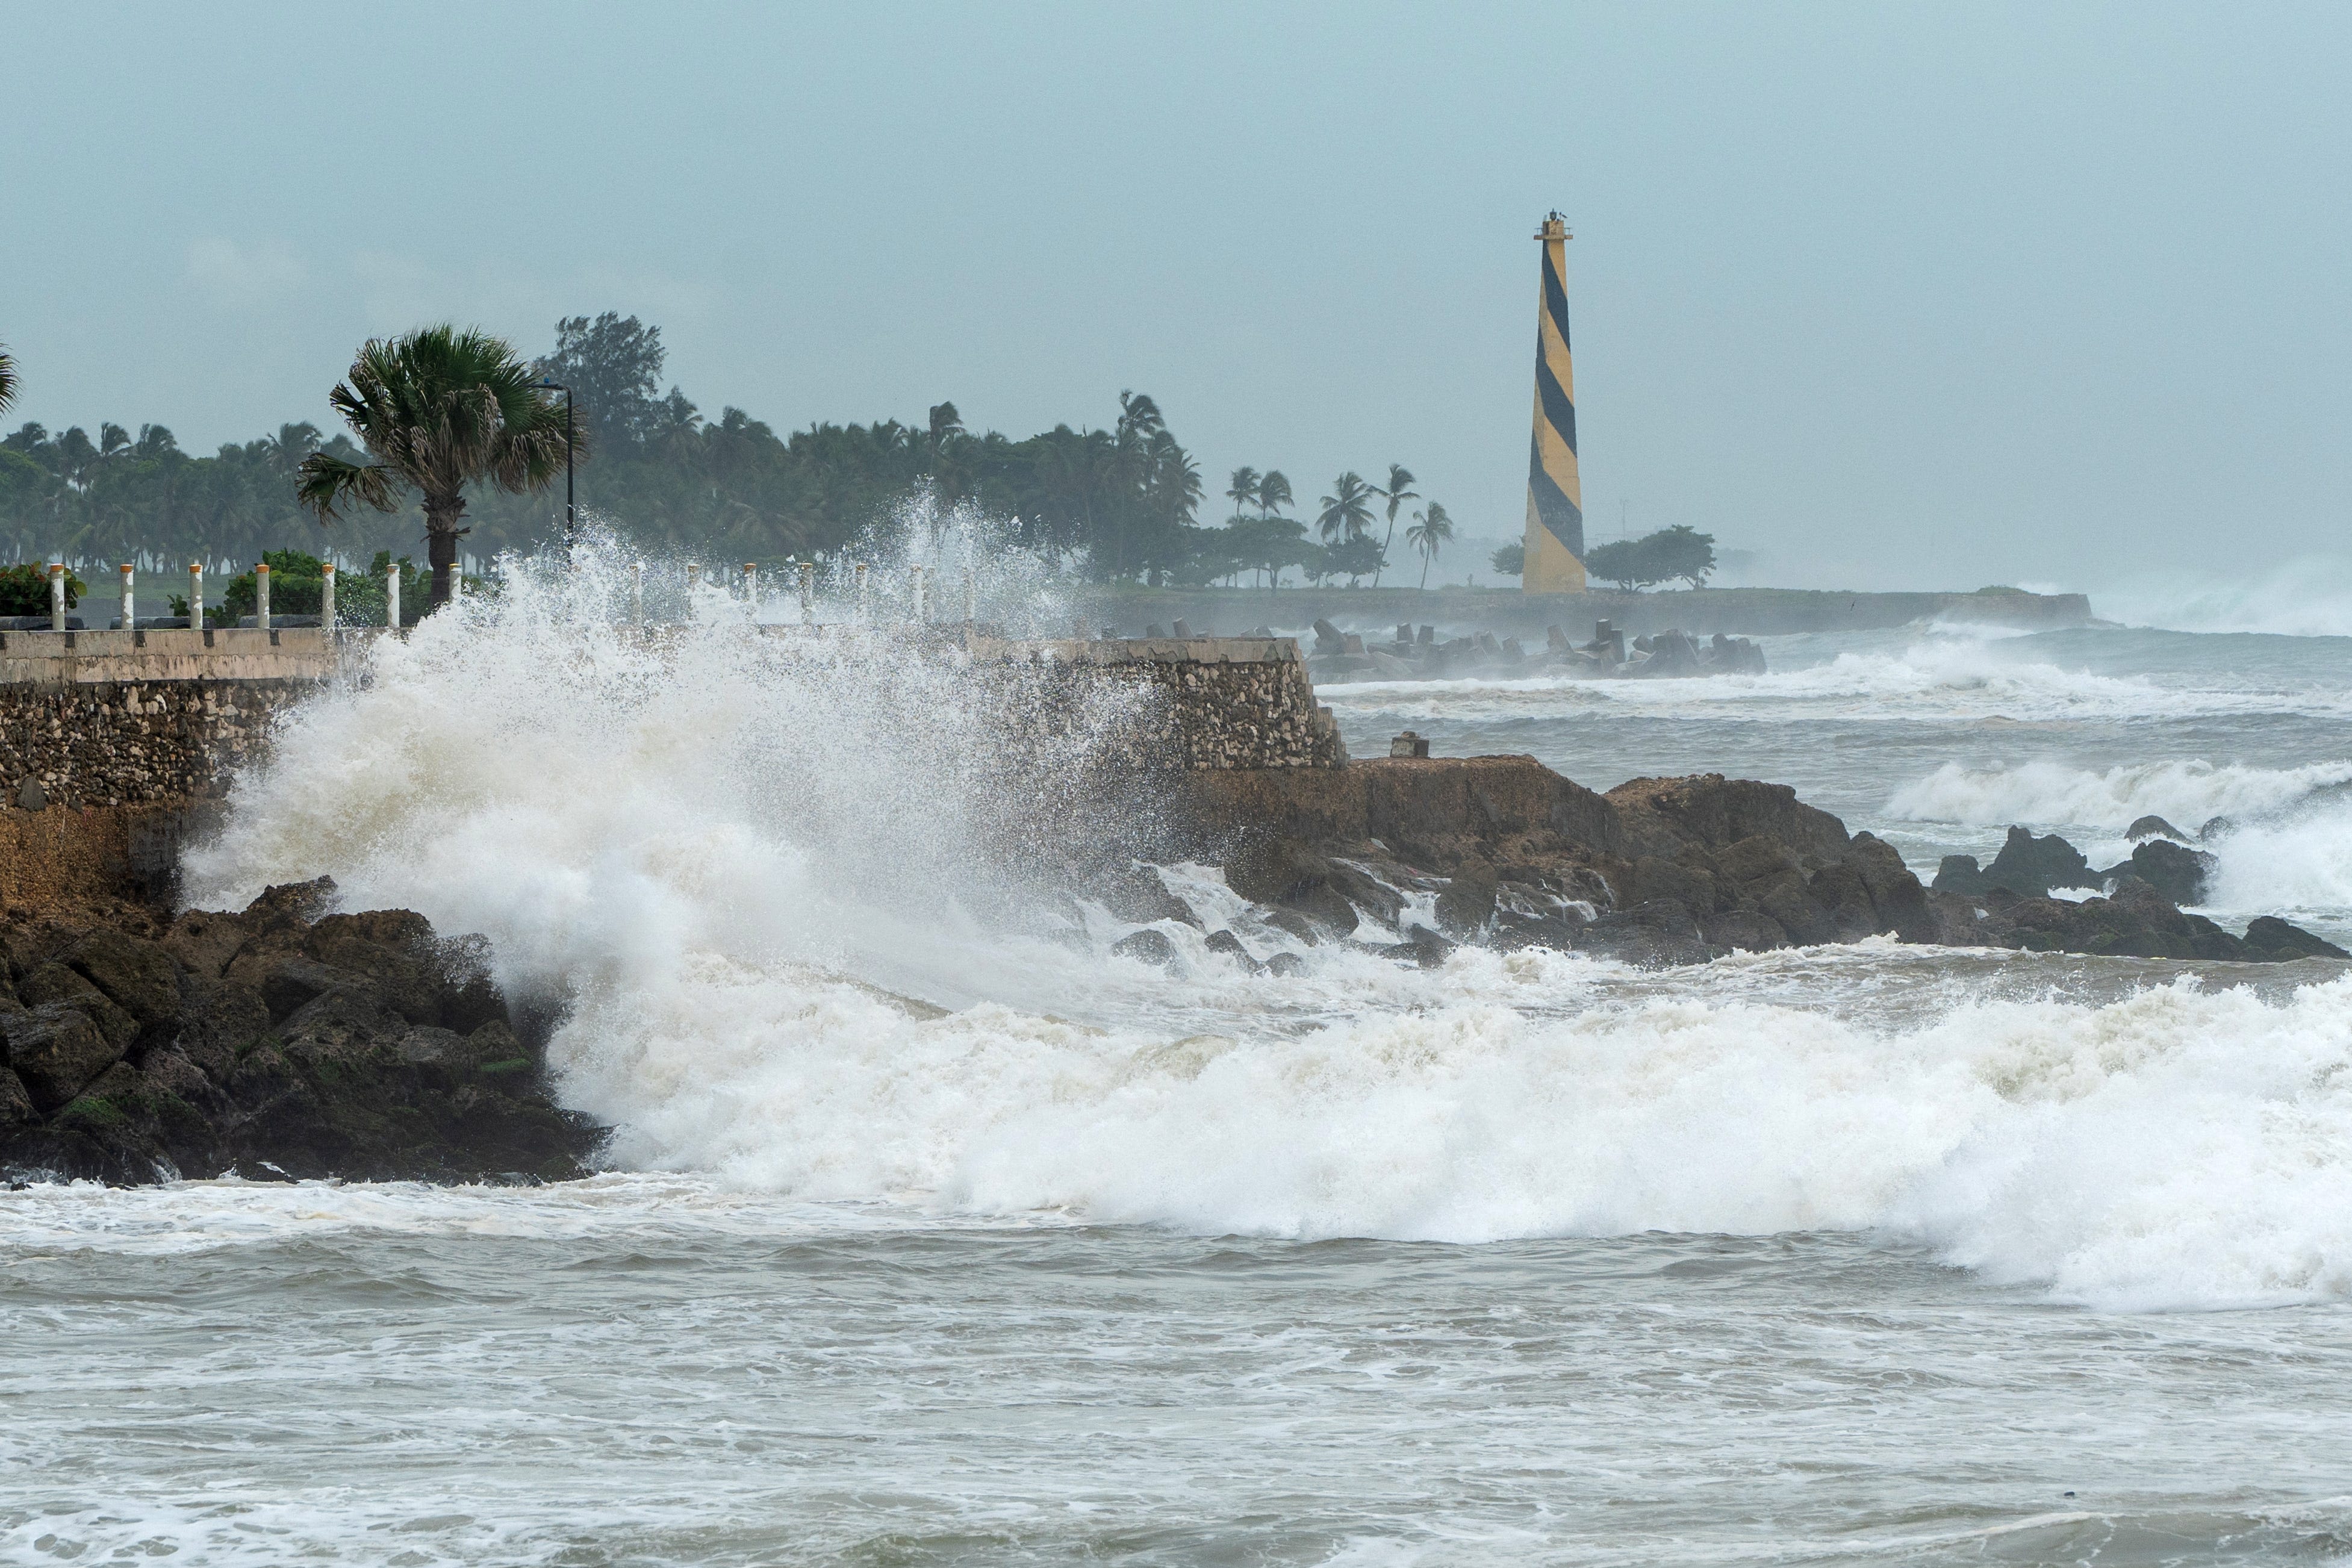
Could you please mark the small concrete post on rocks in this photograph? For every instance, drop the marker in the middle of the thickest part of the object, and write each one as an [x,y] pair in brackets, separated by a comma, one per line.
[392,597]
[457,580]
[808,593]
[195,595]
[130,605]
[752,588]
[57,595]
[326,595]
[261,594]
[858,569]
[915,591]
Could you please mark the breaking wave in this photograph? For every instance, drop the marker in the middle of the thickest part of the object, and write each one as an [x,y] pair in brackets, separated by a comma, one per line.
[1933,679]
[2043,794]
[768,890]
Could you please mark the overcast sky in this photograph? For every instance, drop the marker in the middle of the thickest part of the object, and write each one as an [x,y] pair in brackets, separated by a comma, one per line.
[1891,295]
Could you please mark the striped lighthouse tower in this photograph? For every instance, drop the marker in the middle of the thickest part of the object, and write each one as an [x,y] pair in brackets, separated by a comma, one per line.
[1555,541]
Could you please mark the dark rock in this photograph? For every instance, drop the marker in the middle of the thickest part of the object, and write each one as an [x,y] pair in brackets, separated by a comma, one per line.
[1514,930]
[2029,865]
[223,1019]
[1286,963]
[2215,827]
[55,983]
[1327,638]
[1271,870]
[1429,949]
[16,1105]
[1959,874]
[202,942]
[1150,947]
[1136,894]
[1657,934]
[289,981]
[1743,931]
[1467,904]
[136,975]
[2272,939]
[1292,924]
[1229,944]
[297,903]
[2153,827]
[31,796]
[2178,872]
[1896,898]
[55,1049]
[1365,891]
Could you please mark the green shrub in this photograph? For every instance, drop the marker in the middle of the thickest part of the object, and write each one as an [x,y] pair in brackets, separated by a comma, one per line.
[25,590]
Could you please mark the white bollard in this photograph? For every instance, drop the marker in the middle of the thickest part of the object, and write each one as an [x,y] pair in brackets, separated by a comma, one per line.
[261,594]
[752,588]
[130,605]
[57,595]
[457,579]
[195,595]
[392,597]
[808,593]
[327,596]
[859,571]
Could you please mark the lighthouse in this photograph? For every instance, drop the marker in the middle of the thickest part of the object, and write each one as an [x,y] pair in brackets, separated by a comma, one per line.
[1555,539]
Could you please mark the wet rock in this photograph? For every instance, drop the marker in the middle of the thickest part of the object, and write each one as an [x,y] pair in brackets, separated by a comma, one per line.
[203,942]
[1150,947]
[1286,963]
[343,1083]
[134,974]
[1136,894]
[16,1105]
[2153,827]
[1292,924]
[1229,944]
[55,1049]
[52,983]
[2273,940]
[1466,905]
[2175,870]
[1429,949]
[1959,874]
[2031,866]
[1658,934]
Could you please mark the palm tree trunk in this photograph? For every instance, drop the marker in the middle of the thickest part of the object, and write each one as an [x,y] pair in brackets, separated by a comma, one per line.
[1384,551]
[441,516]
[1424,570]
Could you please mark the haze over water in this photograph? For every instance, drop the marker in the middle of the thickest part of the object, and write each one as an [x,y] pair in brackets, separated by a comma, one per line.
[934,1233]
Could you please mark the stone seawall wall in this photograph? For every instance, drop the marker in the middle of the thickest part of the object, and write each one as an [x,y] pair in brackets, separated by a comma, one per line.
[1220,703]
[133,743]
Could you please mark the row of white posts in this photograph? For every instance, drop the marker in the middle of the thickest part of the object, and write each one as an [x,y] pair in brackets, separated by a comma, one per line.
[917,585]
[260,596]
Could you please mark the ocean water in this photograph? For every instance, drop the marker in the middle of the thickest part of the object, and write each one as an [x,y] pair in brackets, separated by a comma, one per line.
[934,1234]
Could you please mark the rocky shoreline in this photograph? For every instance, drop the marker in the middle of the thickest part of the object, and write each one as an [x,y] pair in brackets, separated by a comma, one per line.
[279,1043]
[1656,872]
[288,1042]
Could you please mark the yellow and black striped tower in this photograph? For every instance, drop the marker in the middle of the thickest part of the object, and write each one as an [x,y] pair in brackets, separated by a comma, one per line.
[1555,542]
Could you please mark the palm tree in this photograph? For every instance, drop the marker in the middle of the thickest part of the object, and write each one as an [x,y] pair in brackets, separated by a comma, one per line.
[1430,528]
[1242,491]
[1272,493]
[8,378]
[1347,512]
[1399,492]
[438,409]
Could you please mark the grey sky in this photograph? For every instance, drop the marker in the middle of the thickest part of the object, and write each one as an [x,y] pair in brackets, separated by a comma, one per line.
[1894,295]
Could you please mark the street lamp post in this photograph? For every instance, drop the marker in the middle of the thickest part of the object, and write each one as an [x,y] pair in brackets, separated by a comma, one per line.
[571,514]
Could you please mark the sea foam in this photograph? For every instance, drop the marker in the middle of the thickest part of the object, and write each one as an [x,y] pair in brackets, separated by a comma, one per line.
[764,886]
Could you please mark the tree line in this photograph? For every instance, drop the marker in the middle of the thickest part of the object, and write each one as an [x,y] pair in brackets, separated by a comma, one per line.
[1115,502]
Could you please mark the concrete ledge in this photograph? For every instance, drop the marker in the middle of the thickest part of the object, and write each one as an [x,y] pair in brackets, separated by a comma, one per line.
[1140,650]
[94,658]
